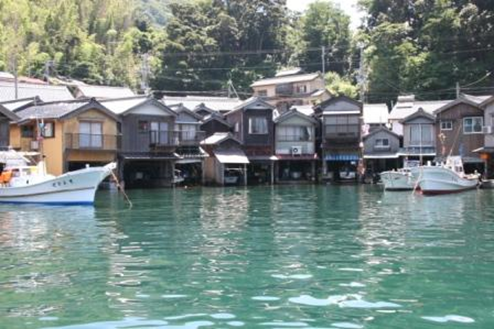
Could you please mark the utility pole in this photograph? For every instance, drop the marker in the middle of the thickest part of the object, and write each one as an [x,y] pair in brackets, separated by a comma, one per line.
[14,70]
[145,72]
[362,78]
[457,90]
[323,57]
[48,65]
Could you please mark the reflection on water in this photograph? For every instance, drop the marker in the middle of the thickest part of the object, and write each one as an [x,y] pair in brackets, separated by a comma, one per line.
[271,257]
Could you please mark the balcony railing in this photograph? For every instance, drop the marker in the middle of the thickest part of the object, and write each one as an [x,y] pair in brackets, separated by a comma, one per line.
[342,131]
[92,142]
[294,138]
[175,138]
[418,150]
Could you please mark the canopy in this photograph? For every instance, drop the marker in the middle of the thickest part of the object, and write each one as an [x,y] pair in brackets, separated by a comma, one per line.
[235,156]
[341,157]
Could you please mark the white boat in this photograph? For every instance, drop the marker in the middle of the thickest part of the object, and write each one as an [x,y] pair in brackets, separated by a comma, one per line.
[401,179]
[31,184]
[445,178]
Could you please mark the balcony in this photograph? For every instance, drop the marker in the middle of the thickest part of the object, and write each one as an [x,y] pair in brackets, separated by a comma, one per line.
[418,151]
[94,142]
[342,132]
[175,138]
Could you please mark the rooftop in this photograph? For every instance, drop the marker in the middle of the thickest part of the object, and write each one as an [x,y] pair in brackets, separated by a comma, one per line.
[214,103]
[376,113]
[47,93]
[286,79]
[104,92]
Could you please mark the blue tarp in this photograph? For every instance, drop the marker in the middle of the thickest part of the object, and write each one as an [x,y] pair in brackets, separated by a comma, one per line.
[341,157]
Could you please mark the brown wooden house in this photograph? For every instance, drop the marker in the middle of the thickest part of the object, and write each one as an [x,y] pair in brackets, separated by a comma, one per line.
[459,131]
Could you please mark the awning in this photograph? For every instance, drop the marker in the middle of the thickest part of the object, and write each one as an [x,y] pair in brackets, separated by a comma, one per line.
[485,149]
[342,157]
[149,156]
[382,156]
[231,156]
[303,157]
[263,158]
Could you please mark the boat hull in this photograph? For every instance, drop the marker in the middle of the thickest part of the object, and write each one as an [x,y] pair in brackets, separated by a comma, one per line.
[440,180]
[397,181]
[73,188]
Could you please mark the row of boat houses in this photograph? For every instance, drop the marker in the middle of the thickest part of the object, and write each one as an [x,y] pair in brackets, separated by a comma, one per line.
[221,141]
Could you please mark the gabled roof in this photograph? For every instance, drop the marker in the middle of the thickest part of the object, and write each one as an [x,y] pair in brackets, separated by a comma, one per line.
[180,108]
[382,129]
[103,92]
[122,106]
[217,117]
[62,110]
[48,93]
[339,98]
[219,138]
[294,113]
[203,107]
[487,101]
[407,105]
[286,79]
[419,113]
[478,99]
[375,113]
[214,103]
[8,114]
[251,103]
[460,100]
[19,104]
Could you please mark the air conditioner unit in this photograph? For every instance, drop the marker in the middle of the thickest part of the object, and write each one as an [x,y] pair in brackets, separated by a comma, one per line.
[34,145]
[487,130]
[296,150]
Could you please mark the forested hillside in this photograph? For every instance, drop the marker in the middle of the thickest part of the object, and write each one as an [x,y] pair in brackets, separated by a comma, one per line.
[410,46]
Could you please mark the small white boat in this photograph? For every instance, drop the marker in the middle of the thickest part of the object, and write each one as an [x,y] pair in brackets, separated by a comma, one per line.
[445,178]
[31,184]
[401,179]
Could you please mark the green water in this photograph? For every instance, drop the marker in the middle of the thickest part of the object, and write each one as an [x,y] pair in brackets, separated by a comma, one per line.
[282,257]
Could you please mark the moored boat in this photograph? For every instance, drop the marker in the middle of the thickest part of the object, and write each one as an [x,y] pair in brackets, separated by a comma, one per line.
[401,179]
[445,178]
[31,184]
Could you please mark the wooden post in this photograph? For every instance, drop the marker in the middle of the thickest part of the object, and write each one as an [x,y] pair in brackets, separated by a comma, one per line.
[245,174]
[272,172]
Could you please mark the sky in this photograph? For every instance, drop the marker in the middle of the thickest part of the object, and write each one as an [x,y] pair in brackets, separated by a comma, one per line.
[349,6]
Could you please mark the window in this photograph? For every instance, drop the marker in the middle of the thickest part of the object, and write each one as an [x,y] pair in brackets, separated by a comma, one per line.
[258,125]
[294,134]
[237,127]
[421,135]
[48,129]
[27,131]
[143,126]
[90,134]
[159,133]
[382,143]
[342,126]
[447,125]
[473,125]
[262,93]
[302,89]
[188,132]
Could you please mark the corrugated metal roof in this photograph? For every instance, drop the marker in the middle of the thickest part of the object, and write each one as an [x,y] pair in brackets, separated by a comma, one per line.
[14,105]
[476,98]
[47,93]
[104,92]
[304,109]
[214,103]
[375,113]
[285,79]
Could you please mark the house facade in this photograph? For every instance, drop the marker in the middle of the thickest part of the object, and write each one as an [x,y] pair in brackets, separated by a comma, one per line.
[460,131]
[6,117]
[149,141]
[381,151]
[419,137]
[291,88]
[487,151]
[70,134]
[253,126]
[341,149]
[215,123]
[295,147]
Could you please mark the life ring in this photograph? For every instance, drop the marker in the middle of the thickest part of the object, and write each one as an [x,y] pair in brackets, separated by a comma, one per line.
[5,177]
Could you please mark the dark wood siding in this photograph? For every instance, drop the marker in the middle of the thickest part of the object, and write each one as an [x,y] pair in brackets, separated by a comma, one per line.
[255,139]
[214,126]
[455,138]
[4,132]
[132,139]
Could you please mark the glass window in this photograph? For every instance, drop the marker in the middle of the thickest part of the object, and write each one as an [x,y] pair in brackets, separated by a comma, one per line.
[27,131]
[262,93]
[188,132]
[143,126]
[258,125]
[90,134]
[473,125]
[447,125]
[382,142]
[159,132]
[49,129]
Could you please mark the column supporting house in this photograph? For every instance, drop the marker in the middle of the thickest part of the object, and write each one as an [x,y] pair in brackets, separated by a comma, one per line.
[245,174]
[313,170]
[272,172]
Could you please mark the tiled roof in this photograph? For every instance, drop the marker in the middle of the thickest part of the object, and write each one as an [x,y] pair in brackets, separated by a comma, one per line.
[375,113]
[406,108]
[285,79]
[47,93]
[214,103]
[52,110]
[104,92]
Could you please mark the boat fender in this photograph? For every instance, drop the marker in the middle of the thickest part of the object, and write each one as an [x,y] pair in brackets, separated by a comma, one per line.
[5,177]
